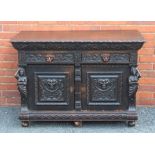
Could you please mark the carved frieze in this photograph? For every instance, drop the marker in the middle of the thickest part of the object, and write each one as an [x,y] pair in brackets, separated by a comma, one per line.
[77,45]
[49,58]
[105,58]
[89,116]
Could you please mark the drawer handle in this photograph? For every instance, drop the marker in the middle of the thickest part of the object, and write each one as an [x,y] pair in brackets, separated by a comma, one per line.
[50,58]
[105,57]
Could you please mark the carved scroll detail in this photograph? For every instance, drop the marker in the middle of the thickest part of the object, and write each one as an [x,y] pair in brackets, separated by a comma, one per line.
[21,81]
[133,81]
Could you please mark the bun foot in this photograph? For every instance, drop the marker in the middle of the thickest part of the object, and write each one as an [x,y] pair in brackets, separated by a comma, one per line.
[25,123]
[131,123]
[78,123]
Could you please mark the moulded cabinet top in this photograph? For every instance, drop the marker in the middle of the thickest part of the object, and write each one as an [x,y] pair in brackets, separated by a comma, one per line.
[79,36]
[78,40]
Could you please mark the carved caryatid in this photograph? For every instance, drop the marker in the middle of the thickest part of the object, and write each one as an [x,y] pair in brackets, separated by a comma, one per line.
[133,81]
[21,81]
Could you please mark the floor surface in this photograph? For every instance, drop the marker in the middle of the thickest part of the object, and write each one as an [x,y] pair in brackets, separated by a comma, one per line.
[9,123]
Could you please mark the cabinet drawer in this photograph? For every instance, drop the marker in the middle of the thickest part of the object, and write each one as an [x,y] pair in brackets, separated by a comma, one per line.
[106,57]
[46,57]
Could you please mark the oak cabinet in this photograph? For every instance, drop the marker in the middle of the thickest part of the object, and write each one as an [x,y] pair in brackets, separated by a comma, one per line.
[78,75]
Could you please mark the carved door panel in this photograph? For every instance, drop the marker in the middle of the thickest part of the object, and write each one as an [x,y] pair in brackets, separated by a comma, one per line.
[105,87]
[51,87]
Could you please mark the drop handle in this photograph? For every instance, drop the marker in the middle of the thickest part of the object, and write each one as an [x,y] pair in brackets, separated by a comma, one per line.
[50,58]
[105,57]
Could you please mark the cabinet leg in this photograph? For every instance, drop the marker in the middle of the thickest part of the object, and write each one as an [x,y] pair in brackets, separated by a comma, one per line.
[131,123]
[78,123]
[25,123]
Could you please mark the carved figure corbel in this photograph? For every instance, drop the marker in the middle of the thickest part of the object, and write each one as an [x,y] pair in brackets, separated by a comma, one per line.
[133,81]
[21,81]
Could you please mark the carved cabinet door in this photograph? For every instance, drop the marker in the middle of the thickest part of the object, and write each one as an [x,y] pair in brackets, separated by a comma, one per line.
[50,87]
[105,87]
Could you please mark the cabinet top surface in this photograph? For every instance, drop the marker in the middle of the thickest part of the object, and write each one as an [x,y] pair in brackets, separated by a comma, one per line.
[79,36]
